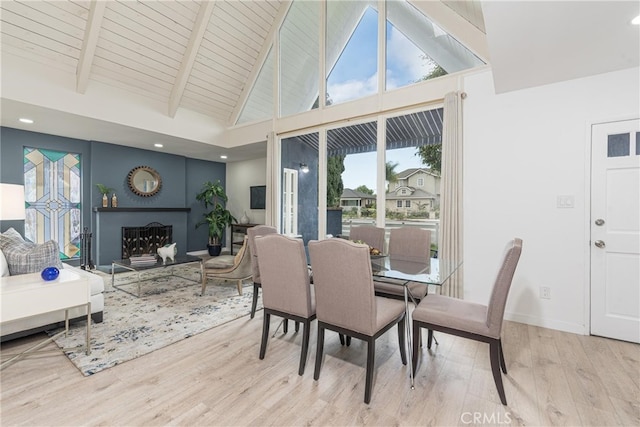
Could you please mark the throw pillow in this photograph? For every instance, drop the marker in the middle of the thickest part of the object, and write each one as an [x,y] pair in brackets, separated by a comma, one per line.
[27,257]
[4,267]
[10,237]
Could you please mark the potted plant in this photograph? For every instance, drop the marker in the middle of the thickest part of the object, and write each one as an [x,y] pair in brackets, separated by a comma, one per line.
[104,190]
[218,218]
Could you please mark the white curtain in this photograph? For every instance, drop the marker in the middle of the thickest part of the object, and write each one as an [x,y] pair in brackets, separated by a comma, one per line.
[273,172]
[450,245]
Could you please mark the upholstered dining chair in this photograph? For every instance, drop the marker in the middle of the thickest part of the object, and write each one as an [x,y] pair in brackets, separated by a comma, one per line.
[229,267]
[371,235]
[406,244]
[252,233]
[471,320]
[346,302]
[286,288]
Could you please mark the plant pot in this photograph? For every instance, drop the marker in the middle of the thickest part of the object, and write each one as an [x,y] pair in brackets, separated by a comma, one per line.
[214,250]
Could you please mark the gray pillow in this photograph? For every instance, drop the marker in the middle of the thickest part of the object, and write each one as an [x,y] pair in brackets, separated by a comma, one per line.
[26,257]
[10,237]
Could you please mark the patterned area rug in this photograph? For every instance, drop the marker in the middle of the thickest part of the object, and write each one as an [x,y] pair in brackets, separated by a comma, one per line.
[170,309]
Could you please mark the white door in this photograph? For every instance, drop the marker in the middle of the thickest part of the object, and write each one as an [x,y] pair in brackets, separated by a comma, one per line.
[615,230]
[289,201]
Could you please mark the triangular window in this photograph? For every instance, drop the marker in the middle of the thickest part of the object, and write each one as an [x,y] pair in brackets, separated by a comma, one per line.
[259,105]
[418,49]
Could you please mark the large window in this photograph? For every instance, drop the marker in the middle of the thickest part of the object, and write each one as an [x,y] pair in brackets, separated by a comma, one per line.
[52,193]
[351,50]
[299,64]
[418,49]
[351,175]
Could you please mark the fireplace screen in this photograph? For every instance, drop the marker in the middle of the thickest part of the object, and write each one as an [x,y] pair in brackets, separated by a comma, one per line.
[146,239]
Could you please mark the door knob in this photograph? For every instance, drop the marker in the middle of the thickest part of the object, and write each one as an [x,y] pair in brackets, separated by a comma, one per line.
[599,243]
[599,221]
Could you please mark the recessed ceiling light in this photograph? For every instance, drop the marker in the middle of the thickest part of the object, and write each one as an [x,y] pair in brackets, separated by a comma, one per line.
[636,20]
[223,156]
[158,145]
[25,120]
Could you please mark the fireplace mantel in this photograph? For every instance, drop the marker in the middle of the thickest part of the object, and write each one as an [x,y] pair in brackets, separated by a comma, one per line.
[142,209]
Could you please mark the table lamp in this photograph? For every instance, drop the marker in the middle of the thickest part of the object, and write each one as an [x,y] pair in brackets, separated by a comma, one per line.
[11,202]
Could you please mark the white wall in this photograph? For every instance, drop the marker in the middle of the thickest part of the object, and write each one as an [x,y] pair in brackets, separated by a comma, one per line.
[241,176]
[521,150]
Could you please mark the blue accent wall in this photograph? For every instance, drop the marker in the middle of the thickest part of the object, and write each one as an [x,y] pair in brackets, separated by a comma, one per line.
[109,164]
[295,152]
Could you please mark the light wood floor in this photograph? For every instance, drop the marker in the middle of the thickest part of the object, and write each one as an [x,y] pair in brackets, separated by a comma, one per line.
[216,378]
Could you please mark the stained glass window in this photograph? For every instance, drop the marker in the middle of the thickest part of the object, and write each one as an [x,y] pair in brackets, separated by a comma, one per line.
[52,195]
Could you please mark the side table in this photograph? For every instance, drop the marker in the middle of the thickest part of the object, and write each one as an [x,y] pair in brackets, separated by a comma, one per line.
[239,229]
[29,295]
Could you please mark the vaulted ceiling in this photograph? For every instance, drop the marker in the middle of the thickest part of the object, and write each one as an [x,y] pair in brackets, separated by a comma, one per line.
[180,59]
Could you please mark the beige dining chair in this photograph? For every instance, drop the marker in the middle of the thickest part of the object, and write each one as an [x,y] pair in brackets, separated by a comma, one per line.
[471,320]
[371,235]
[346,302]
[406,244]
[286,288]
[229,267]
[252,233]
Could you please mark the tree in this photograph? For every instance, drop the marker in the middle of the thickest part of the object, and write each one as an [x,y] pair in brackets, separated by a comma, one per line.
[335,167]
[364,189]
[436,70]
[431,155]
[390,173]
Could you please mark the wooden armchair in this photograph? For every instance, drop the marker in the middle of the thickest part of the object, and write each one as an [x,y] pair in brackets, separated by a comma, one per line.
[228,267]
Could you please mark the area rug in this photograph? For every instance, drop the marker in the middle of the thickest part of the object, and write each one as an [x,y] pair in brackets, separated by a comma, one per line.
[169,310]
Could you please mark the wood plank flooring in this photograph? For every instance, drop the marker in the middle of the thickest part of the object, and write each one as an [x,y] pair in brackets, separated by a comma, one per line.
[216,379]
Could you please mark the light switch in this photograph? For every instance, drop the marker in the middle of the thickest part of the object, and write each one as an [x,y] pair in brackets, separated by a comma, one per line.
[565,201]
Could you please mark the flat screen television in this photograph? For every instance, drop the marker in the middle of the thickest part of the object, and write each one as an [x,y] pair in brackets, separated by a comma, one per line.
[258,197]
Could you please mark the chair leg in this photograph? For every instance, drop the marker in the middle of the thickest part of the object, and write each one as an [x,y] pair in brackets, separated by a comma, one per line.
[341,339]
[297,326]
[429,338]
[319,351]
[285,326]
[416,347]
[494,355]
[503,365]
[402,341]
[371,356]
[254,303]
[265,334]
[305,345]
[348,340]
[239,287]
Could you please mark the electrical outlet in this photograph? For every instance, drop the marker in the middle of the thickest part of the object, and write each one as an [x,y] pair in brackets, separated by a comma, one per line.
[545,292]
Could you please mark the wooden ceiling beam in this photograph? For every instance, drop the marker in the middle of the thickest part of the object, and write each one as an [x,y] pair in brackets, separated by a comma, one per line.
[199,28]
[89,44]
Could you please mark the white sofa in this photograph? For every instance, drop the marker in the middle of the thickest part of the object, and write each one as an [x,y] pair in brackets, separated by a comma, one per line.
[19,258]
[30,325]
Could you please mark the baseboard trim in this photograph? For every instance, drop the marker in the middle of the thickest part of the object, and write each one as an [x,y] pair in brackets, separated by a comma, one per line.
[559,325]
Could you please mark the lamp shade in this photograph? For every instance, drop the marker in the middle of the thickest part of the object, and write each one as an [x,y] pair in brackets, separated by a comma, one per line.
[11,202]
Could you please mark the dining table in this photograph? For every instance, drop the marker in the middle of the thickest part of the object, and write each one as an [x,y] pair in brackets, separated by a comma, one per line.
[402,271]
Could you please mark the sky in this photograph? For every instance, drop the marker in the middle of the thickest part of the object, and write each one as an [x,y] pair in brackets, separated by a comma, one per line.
[360,169]
[355,75]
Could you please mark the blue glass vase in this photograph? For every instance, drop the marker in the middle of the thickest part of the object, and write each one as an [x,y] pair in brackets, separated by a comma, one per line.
[50,273]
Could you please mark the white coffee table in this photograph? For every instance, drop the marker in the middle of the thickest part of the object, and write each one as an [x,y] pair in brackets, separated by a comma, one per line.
[29,295]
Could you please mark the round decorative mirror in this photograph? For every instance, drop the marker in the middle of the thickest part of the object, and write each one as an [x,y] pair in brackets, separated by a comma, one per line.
[144,181]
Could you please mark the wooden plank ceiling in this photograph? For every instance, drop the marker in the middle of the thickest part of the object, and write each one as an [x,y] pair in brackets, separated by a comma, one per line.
[193,54]
[198,55]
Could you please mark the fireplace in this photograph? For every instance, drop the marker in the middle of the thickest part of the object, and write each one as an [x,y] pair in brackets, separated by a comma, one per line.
[146,239]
